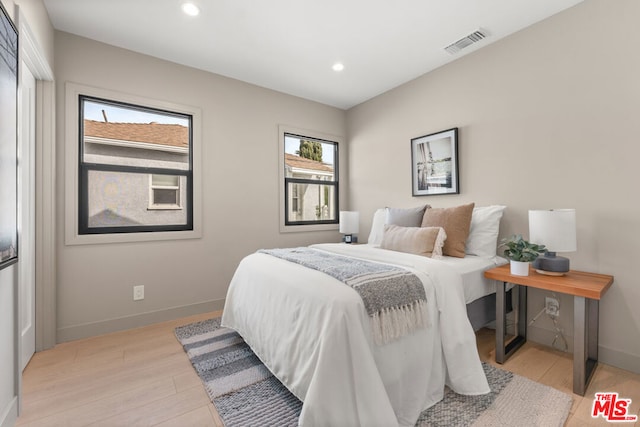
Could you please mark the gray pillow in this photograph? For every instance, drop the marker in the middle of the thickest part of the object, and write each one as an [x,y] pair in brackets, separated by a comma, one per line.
[409,217]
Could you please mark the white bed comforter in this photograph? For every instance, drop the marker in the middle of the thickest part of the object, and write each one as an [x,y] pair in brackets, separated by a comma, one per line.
[313,333]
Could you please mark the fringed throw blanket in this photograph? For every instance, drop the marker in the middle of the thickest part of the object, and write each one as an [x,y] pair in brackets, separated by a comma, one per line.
[394,298]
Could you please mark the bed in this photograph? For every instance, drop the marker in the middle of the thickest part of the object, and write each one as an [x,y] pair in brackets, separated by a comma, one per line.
[317,338]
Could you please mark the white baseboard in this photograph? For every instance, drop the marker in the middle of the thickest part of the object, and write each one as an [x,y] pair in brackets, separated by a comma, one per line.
[619,359]
[86,330]
[9,416]
[608,356]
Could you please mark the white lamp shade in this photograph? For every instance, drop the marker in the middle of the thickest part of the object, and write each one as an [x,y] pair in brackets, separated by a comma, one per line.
[349,222]
[555,228]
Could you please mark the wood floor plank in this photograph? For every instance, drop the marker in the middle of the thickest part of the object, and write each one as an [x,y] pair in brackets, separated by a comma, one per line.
[109,407]
[41,377]
[533,362]
[142,377]
[186,380]
[159,411]
[556,375]
[84,390]
[200,417]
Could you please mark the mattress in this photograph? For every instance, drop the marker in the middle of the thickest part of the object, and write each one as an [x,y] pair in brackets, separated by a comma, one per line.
[314,335]
[472,269]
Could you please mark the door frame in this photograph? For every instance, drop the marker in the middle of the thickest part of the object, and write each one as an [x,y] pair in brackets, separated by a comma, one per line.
[45,179]
[26,212]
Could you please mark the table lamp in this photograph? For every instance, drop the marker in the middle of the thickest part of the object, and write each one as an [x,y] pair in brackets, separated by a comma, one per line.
[349,225]
[556,229]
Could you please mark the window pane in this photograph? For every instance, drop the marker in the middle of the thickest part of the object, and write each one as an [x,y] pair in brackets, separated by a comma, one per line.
[117,134]
[122,199]
[162,196]
[165,180]
[311,202]
[307,158]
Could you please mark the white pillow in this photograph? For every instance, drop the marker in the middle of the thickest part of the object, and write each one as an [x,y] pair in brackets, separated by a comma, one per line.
[377,227]
[483,233]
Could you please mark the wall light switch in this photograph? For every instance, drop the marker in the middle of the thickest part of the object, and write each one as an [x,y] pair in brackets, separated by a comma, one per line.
[138,292]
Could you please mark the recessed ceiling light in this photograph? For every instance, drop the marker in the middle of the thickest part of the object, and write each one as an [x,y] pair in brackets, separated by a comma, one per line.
[190,9]
[338,66]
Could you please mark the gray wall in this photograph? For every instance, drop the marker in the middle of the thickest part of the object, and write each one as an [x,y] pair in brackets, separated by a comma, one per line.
[548,119]
[240,192]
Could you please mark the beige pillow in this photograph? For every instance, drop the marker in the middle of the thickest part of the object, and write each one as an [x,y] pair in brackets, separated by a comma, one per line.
[425,241]
[456,222]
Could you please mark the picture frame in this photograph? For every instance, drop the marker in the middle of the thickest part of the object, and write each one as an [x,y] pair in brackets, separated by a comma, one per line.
[434,163]
[8,141]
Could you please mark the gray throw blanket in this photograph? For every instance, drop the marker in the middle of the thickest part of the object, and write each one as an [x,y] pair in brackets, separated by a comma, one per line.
[394,297]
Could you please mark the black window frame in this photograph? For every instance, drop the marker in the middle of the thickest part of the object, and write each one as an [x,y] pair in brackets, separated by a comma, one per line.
[84,168]
[334,183]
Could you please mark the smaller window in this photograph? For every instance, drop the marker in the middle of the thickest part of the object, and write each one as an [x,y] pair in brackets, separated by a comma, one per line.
[310,180]
[164,192]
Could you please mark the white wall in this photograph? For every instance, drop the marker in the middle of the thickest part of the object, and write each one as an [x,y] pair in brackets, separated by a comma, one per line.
[548,119]
[240,192]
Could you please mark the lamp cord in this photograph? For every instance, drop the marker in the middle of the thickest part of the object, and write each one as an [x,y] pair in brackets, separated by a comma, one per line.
[559,331]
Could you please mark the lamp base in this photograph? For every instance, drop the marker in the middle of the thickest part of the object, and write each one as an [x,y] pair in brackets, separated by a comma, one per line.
[550,273]
[350,238]
[551,265]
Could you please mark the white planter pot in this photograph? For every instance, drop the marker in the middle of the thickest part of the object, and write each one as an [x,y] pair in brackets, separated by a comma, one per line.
[519,268]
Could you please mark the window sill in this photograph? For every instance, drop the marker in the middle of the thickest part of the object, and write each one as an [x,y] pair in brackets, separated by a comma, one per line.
[98,239]
[164,208]
[308,228]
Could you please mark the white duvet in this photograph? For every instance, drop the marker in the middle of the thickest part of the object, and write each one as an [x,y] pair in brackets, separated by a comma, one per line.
[313,333]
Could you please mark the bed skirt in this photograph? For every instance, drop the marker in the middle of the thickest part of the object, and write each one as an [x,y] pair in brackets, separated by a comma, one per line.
[483,310]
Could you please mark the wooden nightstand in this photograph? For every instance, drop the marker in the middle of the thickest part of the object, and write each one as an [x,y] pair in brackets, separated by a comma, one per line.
[586,288]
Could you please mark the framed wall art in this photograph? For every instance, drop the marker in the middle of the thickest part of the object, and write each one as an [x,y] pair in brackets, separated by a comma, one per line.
[434,163]
[8,141]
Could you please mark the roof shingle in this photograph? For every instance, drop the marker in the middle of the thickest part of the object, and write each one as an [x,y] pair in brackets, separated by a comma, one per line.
[303,163]
[172,135]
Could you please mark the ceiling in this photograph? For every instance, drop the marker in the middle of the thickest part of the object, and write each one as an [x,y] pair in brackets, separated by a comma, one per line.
[291,45]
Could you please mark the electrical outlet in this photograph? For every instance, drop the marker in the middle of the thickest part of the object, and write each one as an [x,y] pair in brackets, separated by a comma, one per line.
[138,292]
[552,306]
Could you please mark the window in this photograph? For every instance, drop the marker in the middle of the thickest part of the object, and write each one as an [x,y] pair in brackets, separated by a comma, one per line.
[310,180]
[164,192]
[135,168]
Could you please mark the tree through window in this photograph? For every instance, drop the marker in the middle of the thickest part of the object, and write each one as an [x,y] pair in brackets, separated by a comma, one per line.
[311,180]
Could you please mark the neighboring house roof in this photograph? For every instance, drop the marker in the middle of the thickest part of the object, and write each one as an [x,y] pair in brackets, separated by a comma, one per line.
[108,218]
[298,162]
[170,135]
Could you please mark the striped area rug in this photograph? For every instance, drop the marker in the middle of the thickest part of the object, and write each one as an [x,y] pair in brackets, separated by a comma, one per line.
[245,393]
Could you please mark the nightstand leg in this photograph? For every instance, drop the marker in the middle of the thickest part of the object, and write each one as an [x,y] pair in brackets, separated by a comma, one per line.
[522,312]
[501,320]
[585,342]
[503,352]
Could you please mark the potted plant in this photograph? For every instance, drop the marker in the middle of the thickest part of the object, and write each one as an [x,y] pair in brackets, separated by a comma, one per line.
[520,253]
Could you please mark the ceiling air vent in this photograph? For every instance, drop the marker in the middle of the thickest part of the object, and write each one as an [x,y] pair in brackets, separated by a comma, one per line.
[466,41]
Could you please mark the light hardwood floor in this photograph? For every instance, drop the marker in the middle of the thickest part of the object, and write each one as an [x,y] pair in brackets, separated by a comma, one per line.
[142,377]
